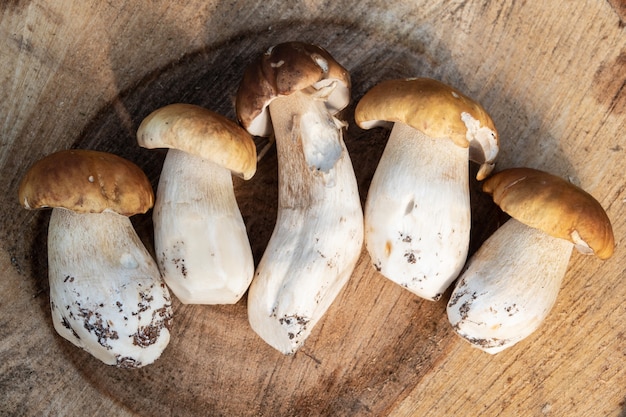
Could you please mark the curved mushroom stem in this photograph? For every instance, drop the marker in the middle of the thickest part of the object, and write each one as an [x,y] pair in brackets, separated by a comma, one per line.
[318,235]
[201,242]
[417,212]
[509,287]
[106,293]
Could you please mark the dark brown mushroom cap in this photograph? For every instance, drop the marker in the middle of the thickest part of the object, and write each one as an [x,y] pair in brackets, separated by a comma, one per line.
[553,205]
[435,109]
[86,181]
[282,70]
[201,132]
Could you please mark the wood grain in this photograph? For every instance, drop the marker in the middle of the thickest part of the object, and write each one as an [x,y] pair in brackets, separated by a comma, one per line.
[552,75]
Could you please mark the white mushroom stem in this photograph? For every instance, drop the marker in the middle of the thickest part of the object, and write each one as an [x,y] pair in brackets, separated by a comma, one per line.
[201,242]
[509,287]
[417,213]
[318,235]
[106,293]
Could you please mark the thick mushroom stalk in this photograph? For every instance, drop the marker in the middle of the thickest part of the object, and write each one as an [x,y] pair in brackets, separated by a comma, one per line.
[512,281]
[510,285]
[106,294]
[200,238]
[417,212]
[201,241]
[318,235]
[319,231]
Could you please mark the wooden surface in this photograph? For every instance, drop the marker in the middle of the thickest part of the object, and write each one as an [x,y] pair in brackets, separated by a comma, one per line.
[552,75]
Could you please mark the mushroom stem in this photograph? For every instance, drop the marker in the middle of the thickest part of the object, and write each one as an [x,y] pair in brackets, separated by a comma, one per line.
[106,293]
[509,286]
[319,228]
[417,213]
[201,241]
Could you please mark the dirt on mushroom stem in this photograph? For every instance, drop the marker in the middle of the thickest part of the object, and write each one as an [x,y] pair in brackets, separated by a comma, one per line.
[509,286]
[417,212]
[106,293]
[319,229]
[200,238]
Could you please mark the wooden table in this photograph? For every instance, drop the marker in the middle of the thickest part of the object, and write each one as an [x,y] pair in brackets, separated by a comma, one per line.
[553,77]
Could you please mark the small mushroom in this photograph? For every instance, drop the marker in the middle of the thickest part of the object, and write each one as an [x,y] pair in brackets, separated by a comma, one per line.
[512,281]
[318,234]
[417,212]
[201,242]
[106,293]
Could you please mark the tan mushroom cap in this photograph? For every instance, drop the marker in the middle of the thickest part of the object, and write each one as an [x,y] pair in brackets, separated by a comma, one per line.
[432,107]
[86,181]
[553,205]
[282,70]
[201,132]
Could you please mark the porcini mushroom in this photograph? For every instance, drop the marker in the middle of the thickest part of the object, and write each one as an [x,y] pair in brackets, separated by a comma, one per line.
[512,281]
[318,234]
[201,242]
[106,293]
[417,212]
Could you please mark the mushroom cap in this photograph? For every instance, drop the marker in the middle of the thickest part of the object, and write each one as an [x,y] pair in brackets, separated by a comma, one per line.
[555,206]
[437,110]
[86,181]
[282,70]
[201,132]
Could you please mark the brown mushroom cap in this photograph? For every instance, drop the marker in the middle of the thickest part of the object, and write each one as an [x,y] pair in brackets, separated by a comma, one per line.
[201,132]
[282,70]
[430,106]
[86,181]
[435,109]
[553,205]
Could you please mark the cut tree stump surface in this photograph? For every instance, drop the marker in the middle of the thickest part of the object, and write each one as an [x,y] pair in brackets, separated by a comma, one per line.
[552,75]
